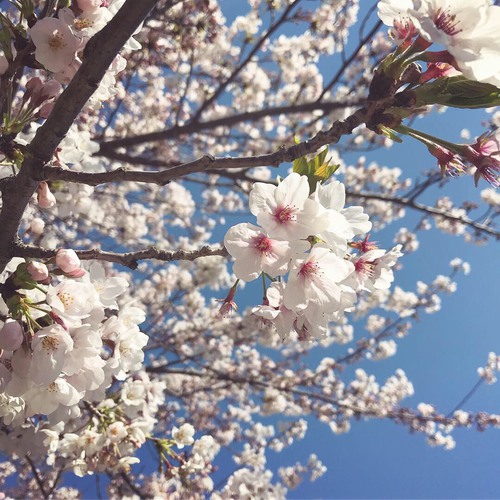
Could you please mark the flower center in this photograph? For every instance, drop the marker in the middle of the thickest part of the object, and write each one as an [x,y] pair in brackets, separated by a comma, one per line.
[50,343]
[284,214]
[446,22]
[403,28]
[56,41]
[262,243]
[308,270]
[364,267]
[66,298]
[82,23]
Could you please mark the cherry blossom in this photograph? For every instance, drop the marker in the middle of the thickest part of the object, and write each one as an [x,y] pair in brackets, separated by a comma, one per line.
[255,252]
[316,279]
[183,436]
[344,223]
[484,154]
[285,211]
[55,43]
[395,13]
[67,260]
[468,31]
[50,346]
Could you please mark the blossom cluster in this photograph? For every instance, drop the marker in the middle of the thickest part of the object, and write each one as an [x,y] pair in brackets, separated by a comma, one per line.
[468,31]
[310,238]
[465,75]
[59,43]
[65,340]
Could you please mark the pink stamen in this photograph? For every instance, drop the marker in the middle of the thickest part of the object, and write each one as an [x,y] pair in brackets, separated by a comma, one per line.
[308,270]
[365,267]
[447,23]
[364,245]
[284,214]
[262,243]
[403,29]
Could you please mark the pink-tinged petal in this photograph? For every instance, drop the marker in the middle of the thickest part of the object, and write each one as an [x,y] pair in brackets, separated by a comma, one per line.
[255,252]
[484,154]
[248,269]
[316,279]
[285,211]
[357,220]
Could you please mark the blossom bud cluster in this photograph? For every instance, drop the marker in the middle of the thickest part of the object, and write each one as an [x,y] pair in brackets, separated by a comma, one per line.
[468,31]
[64,342]
[59,44]
[310,238]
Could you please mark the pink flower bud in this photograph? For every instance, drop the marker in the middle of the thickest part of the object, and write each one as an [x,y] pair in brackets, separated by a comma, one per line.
[38,92]
[67,260]
[77,273]
[45,198]
[51,89]
[38,271]
[11,335]
[37,225]
[45,110]
[33,86]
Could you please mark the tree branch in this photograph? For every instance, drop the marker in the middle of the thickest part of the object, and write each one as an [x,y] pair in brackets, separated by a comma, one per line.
[408,202]
[332,136]
[108,146]
[98,55]
[37,477]
[127,259]
[399,415]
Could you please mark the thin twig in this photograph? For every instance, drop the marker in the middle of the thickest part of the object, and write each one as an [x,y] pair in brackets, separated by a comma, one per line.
[99,53]
[466,398]
[37,477]
[226,121]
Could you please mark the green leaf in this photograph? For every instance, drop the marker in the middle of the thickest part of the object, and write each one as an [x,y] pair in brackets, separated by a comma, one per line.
[389,132]
[318,169]
[458,92]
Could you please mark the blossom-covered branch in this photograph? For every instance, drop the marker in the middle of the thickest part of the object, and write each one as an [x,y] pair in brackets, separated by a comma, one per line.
[119,319]
[331,136]
[426,209]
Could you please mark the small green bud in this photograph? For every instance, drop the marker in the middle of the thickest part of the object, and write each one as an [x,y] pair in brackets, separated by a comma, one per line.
[318,169]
